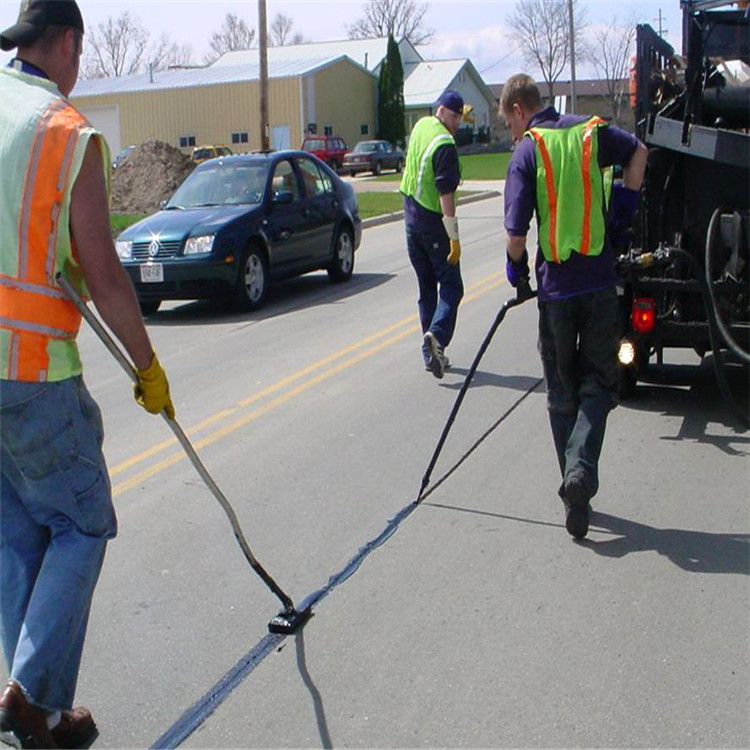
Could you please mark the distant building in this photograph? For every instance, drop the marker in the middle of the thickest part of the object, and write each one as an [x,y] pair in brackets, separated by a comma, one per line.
[327,87]
[592,98]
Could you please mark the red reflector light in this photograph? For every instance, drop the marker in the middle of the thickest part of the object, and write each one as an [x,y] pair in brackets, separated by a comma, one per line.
[643,315]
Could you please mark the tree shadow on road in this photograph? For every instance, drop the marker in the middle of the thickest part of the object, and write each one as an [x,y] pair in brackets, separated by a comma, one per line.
[693,551]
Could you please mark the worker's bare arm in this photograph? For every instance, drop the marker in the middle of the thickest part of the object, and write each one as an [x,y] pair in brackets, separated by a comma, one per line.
[108,284]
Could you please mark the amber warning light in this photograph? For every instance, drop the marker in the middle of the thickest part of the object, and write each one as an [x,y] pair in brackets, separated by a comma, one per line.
[644,315]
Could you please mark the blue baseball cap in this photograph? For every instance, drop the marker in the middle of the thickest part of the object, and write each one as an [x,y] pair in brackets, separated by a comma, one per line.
[452,100]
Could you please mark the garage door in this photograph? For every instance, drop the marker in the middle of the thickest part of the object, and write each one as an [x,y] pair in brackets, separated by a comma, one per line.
[106,120]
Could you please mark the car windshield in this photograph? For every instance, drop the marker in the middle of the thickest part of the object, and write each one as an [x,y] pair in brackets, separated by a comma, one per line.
[316,144]
[203,153]
[221,184]
[365,148]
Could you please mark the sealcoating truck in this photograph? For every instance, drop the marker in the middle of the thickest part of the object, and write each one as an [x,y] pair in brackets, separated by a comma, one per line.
[684,273]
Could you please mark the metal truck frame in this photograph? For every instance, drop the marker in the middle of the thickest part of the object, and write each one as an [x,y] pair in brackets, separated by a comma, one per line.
[685,274]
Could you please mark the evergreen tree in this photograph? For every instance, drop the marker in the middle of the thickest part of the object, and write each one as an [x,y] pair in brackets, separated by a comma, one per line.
[391,110]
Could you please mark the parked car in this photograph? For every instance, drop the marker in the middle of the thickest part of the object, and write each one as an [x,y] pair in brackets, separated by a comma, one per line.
[120,158]
[236,224]
[328,148]
[204,153]
[374,156]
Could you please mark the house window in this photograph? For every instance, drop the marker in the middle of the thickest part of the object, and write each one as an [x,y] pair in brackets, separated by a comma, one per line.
[239,137]
[186,141]
[364,129]
[328,129]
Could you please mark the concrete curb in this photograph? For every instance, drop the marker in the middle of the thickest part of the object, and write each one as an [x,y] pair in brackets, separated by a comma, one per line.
[376,221]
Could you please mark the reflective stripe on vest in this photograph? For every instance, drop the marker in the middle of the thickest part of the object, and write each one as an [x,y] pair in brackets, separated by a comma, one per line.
[573,220]
[33,310]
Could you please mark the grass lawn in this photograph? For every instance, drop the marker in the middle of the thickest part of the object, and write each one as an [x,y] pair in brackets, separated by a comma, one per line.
[474,167]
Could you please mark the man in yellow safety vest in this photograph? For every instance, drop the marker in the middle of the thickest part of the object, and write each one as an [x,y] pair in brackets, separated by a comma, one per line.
[558,171]
[56,511]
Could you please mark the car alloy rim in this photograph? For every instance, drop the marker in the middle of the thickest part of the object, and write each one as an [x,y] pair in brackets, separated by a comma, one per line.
[254,281]
[345,252]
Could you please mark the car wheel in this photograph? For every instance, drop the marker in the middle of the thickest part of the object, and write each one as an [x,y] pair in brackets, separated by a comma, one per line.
[399,166]
[341,267]
[352,173]
[335,166]
[376,170]
[149,306]
[252,281]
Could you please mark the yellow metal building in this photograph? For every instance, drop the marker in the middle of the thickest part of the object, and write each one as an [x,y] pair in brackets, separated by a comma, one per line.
[221,104]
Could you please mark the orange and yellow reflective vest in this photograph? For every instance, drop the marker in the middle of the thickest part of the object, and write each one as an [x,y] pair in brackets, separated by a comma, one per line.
[571,190]
[43,139]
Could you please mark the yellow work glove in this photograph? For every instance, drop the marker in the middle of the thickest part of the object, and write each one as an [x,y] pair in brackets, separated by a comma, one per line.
[152,389]
[451,227]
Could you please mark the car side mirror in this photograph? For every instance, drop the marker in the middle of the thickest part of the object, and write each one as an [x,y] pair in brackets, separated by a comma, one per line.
[283,196]
[162,204]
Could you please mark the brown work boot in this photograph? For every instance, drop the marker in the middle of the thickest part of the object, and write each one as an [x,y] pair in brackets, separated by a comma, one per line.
[21,724]
[76,728]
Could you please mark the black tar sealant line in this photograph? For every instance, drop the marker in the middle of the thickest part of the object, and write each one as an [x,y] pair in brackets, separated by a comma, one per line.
[205,706]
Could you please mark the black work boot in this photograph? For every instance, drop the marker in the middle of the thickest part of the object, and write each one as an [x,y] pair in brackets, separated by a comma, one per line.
[576,495]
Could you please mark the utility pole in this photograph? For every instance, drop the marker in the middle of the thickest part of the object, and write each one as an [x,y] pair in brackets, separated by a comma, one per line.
[572,58]
[265,144]
[661,31]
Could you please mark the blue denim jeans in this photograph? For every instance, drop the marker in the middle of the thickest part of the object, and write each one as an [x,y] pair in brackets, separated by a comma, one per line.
[56,515]
[578,340]
[440,285]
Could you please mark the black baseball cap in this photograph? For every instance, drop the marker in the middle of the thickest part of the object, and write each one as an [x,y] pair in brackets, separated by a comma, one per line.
[35,16]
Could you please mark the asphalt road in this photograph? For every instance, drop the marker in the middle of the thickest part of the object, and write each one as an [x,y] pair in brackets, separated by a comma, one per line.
[479,623]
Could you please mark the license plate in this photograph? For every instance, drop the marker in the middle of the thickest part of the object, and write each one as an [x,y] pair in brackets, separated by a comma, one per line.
[152,272]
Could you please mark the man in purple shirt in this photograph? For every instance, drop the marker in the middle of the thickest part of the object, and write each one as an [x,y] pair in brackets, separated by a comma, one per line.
[577,296]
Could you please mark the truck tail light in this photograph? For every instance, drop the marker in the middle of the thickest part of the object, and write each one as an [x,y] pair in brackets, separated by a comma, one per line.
[643,315]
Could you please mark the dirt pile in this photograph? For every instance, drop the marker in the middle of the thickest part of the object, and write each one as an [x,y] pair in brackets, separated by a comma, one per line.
[148,175]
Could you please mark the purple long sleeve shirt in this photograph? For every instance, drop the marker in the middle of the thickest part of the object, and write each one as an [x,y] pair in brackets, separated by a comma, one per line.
[580,273]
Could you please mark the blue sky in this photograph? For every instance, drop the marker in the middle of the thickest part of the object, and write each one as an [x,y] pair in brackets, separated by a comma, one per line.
[477,29]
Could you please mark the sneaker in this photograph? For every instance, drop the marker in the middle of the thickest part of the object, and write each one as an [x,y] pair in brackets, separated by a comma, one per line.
[446,363]
[436,361]
[21,724]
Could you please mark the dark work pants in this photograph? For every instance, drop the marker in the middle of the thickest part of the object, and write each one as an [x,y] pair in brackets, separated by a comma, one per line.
[578,344]
[440,285]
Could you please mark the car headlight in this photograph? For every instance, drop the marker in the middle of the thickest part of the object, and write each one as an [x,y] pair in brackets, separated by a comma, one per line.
[197,245]
[124,249]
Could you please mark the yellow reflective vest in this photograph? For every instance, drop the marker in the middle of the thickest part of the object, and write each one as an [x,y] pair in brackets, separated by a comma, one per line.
[570,188]
[43,138]
[418,181]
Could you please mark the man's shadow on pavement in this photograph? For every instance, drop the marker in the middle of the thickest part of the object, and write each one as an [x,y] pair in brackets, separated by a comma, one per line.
[694,551]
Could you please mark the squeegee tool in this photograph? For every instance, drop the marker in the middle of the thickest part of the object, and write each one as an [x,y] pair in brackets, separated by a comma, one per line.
[289,619]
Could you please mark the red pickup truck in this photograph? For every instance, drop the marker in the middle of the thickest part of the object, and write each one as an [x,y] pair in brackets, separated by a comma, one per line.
[328,148]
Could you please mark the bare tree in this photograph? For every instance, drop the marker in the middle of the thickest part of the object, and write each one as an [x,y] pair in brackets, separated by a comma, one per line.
[280,32]
[116,47]
[234,34]
[542,30]
[167,54]
[399,18]
[612,47]
[121,46]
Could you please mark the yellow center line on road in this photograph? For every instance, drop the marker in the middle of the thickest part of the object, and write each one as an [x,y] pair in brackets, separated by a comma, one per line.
[478,289]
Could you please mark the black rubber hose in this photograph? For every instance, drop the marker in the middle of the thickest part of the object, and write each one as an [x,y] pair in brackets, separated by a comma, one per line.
[713,334]
[726,334]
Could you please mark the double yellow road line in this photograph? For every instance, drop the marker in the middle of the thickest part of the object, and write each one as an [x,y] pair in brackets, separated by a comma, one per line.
[230,420]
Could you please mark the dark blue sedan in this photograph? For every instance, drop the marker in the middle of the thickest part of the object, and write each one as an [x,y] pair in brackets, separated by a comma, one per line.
[239,222]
